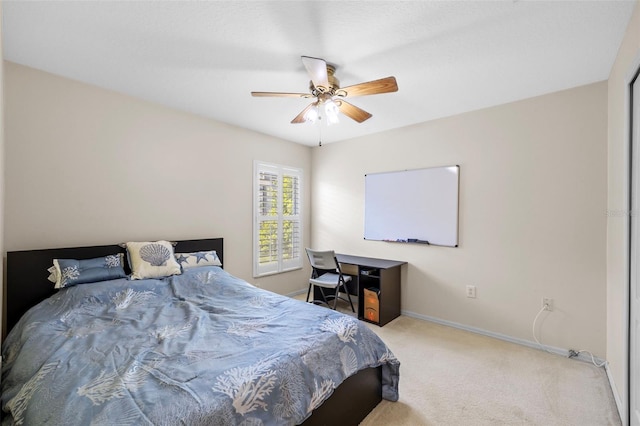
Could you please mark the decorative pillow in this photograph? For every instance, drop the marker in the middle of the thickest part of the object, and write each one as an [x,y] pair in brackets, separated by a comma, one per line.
[69,272]
[152,259]
[199,258]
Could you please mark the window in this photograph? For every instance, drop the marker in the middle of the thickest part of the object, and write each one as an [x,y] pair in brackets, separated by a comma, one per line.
[277,229]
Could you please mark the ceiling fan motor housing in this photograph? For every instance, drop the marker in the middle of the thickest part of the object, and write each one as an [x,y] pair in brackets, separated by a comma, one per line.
[334,83]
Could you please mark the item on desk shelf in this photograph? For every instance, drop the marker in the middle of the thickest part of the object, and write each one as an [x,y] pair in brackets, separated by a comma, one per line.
[372,304]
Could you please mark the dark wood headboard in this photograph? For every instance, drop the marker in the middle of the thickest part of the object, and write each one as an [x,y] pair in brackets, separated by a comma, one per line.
[27,283]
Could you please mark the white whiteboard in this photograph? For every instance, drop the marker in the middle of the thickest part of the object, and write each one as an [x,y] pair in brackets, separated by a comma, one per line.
[420,205]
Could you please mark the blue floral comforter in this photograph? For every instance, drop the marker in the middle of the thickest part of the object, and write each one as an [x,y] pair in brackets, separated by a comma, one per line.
[199,348]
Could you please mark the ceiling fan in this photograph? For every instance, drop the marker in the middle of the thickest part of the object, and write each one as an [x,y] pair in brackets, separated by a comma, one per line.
[329,96]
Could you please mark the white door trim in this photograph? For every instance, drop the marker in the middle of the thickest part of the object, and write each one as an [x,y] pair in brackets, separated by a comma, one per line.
[632,75]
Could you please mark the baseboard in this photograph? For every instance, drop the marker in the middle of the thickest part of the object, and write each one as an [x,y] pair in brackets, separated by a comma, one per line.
[296,293]
[523,342]
[616,396]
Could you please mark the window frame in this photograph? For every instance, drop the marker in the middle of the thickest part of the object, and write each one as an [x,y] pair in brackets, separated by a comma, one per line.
[281,264]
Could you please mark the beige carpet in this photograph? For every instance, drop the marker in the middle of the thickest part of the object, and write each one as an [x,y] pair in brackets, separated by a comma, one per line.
[453,377]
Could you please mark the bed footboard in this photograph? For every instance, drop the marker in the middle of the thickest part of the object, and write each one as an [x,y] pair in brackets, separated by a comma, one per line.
[352,401]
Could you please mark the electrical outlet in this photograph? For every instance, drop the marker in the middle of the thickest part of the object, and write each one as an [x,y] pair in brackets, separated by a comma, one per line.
[547,304]
[471,291]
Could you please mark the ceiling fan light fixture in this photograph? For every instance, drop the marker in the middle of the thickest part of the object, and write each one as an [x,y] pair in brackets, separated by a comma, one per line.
[331,112]
[311,116]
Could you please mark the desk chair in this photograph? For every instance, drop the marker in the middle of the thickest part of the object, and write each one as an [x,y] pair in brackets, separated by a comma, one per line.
[326,273]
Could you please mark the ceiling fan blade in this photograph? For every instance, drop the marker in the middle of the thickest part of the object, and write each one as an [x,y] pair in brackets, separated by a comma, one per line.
[353,111]
[300,118]
[384,85]
[281,95]
[317,69]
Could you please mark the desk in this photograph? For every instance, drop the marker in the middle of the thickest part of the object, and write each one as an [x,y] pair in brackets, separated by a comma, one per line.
[382,274]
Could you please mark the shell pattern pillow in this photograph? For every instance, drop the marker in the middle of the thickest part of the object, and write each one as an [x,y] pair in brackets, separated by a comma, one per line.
[152,259]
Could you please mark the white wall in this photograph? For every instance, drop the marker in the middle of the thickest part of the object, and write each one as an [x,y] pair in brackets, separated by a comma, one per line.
[618,186]
[88,166]
[533,201]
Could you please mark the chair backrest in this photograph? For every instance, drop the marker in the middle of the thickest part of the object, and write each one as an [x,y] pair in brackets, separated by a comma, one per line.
[322,259]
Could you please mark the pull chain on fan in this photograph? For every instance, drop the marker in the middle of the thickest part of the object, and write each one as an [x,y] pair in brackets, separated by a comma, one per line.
[329,96]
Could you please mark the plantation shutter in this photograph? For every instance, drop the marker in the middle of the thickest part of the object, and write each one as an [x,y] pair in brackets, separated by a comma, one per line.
[277,227]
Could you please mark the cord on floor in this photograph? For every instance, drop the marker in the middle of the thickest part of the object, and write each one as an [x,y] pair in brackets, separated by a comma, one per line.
[572,353]
[593,359]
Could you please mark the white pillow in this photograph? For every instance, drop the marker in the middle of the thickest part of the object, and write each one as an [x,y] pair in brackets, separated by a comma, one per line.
[152,259]
[199,258]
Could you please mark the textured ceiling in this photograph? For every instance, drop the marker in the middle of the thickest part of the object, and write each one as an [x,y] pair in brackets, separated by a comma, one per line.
[205,57]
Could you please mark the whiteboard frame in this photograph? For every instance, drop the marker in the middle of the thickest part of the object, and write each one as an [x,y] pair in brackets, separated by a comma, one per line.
[446,214]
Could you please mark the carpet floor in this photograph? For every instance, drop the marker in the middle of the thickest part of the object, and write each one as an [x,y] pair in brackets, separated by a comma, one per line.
[450,376]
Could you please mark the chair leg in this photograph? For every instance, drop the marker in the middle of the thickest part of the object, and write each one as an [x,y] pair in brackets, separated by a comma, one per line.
[309,291]
[324,296]
[346,290]
[336,296]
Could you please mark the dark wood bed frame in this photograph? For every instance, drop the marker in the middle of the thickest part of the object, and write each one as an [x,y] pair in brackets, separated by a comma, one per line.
[27,285]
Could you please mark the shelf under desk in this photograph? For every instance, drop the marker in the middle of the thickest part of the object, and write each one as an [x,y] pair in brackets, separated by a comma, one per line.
[382,274]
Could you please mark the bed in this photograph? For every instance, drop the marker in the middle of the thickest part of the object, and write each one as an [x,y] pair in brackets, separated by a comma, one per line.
[201,347]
